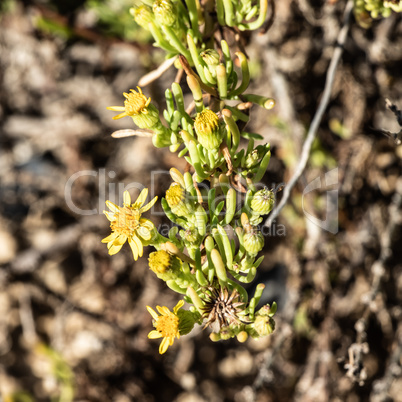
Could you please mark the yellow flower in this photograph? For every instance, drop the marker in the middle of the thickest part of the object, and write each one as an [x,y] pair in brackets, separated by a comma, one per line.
[208,130]
[135,103]
[165,12]
[126,224]
[166,324]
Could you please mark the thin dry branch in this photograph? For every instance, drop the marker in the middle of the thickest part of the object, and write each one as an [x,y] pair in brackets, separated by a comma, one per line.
[343,33]
[157,73]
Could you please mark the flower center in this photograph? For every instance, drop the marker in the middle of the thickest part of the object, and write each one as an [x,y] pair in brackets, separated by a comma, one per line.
[206,122]
[135,102]
[128,220]
[168,325]
[160,261]
[174,195]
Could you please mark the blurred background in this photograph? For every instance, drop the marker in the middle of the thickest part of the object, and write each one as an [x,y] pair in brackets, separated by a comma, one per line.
[73,322]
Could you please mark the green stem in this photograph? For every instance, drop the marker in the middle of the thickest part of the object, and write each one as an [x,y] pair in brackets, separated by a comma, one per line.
[195,88]
[220,12]
[245,279]
[159,39]
[221,78]
[259,21]
[263,167]
[266,103]
[228,58]
[199,305]
[254,301]
[229,15]
[245,75]
[219,267]
[227,116]
[197,59]
[195,159]
[209,246]
[169,102]
[230,206]
[227,247]
[175,42]
[238,114]
[193,14]
[175,287]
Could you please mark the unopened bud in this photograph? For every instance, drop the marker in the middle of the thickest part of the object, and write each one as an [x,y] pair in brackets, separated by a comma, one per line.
[263,201]
[176,199]
[208,130]
[166,266]
[253,242]
[143,15]
[165,12]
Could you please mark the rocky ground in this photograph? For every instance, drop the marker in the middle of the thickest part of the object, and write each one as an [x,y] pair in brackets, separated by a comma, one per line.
[73,323]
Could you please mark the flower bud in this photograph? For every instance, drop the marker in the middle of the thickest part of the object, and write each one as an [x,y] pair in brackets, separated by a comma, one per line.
[226,333]
[208,130]
[253,242]
[210,56]
[251,159]
[242,336]
[165,265]
[148,118]
[214,337]
[190,235]
[211,59]
[264,325]
[176,199]
[165,12]
[263,201]
[143,15]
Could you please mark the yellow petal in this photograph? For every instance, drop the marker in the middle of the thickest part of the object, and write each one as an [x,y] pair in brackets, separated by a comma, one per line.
[179,305]
[139,245]
[134,249]
[119,116]
[163,310]
[113,207]
[120,240]
[149,205]
[116,108]
[154,335]
[141,198]
[110,215]
[163,347]
[115,249]
[152,312]
[177,177]
[126,198]
[111,238]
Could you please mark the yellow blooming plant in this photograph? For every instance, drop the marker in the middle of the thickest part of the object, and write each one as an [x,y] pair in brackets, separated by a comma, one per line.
[199,259]
[126,224]
[135,103]
[166,325]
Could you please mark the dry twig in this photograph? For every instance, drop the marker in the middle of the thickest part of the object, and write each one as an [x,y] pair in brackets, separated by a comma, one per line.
[318,115]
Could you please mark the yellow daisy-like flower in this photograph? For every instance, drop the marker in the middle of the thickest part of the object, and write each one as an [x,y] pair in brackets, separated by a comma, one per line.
[126,224]
[166,324]
[208,131]
[135,103]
